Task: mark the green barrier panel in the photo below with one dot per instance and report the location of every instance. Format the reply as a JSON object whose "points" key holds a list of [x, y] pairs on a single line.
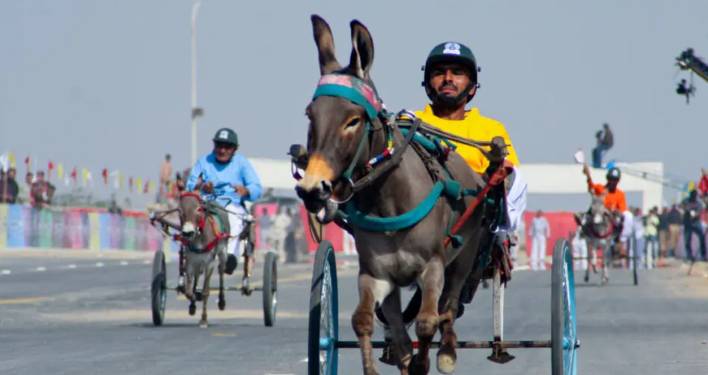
{"points": [[45, 228]]}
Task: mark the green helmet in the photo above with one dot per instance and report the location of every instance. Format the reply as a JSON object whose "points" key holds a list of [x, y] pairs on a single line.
{"points": [[451, 52], [226, 135], [614, 174]]}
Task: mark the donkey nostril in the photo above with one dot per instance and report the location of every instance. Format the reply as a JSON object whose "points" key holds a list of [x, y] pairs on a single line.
{"points": [[326, 187]]}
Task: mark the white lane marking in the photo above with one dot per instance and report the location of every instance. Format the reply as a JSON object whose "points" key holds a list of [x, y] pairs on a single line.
{"points": [[304, 360], [146, 262], [41, 269], [5, 272], [99, 264], [123, 263], [71, 266]]}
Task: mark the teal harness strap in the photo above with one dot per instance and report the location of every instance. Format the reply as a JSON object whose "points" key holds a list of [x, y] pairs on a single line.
{"points": [[347, 93], [389, 224]]}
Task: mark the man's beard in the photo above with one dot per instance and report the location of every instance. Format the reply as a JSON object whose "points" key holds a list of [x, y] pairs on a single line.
{"points": [[449, 101]]}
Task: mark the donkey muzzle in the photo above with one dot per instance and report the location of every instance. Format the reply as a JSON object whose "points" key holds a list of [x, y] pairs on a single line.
{"points": [[188, 229], [315, 197]]}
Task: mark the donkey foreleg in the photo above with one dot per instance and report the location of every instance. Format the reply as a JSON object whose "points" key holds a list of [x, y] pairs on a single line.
{"points": [[205, 297], [455, 280], [400, 350], [431, 283], [371, 290]]}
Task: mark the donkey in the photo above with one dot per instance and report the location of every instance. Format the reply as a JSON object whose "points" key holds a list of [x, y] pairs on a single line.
{"points": [[390, 260], [598, 226], [204, 235]]}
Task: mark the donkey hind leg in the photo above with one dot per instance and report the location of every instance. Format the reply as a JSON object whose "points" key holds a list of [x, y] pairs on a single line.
{"points": [[606, 261], [431, 282], [371, 290], [401, 347], [203, 323]]}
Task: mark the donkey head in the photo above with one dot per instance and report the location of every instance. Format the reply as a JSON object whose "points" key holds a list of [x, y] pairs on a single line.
{"points": [[191, 214], [337, 125], [599, 214]]}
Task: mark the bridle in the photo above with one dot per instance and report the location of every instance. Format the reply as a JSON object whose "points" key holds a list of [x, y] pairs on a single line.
{"points": [[202, 218]]}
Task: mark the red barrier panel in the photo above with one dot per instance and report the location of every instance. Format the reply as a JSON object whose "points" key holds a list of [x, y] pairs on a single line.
{"points": [[562, 224]]}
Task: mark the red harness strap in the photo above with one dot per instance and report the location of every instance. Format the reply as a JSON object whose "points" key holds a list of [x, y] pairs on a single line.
{"points": [[497, 178]]}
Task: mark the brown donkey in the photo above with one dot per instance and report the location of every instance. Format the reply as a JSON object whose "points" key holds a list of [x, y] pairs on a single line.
{"points": [[343, 137]]}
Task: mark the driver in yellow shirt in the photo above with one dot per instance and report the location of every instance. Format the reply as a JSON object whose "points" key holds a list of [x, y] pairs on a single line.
{"points": [[450, 81]]}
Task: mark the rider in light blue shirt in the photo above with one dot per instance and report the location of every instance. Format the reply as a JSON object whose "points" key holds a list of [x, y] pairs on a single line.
{"points": [[231, 179]]}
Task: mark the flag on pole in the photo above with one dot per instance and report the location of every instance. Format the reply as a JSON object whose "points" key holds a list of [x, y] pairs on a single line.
{"points": [[50, 168], [138, 184], [28, 160], [146, 188], [85, 176], [130, 184], [11, 158], [104, 174], [74, 175], [60, 171]]}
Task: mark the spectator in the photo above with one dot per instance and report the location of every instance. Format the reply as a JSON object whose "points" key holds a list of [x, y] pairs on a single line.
{"points": [[42, 191], [12, 187], [692, 209], [291, 251], [664, 233], [113, 207], [703, 186], [264, 223], [540, 231], [674, 220], [29, 179], [580, 249], [651, 236], [278, 231], [3, 184], [639, 236], [165, 174], [605, 141]]}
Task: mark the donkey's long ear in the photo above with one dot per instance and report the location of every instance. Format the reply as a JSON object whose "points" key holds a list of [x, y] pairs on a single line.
{"points": [[325, 45], [362, 50]]}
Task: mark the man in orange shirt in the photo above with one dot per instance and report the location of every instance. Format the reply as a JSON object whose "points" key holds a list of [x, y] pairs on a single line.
{"points": [[614, 199]]}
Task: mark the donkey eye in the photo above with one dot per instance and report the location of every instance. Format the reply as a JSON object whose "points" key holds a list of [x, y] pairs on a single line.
{"points": [[353, 122]]}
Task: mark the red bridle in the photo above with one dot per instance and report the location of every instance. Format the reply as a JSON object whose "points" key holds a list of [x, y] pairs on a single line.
{"points": [[201, 223]]}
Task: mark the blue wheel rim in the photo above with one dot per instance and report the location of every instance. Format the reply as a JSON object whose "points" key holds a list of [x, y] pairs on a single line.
{"points": [[569, 327], [329, 322]]}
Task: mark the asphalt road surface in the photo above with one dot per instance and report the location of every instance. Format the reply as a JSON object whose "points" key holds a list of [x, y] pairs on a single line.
{"points": [[68, 314]]}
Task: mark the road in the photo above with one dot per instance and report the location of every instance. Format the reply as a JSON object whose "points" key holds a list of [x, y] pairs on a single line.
{"points": [[90, 314]]}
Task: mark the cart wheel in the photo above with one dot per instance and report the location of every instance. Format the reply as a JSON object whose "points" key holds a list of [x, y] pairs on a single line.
{"points": [[270, 288], [564, 340], [323, 335], [158, 289], [635, 262]]}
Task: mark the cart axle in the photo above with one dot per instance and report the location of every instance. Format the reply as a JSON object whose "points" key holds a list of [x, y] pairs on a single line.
{"points": [[507, 344]]}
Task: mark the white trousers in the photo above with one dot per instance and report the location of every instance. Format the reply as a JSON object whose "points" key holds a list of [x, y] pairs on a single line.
{"points": [[538, 253], [580, 250], [236, 213]]}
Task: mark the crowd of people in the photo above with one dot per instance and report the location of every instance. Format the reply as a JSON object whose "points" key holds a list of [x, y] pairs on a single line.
{"points": [[35, 191]]}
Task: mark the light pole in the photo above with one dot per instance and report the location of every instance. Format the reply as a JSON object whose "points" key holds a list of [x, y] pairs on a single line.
{"points": [[196, 111]]}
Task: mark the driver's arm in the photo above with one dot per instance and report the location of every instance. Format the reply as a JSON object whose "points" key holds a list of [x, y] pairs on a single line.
{"points": [[194, 181]]}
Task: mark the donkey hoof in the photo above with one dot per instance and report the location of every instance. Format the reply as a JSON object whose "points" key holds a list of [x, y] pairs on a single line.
{"points": [[203, 324], [222, 304], [192, 309], [199, 296], [446, 363], [419, 365]]}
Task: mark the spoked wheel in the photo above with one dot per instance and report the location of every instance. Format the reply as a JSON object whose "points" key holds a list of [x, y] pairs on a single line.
{"points": [[158, 289], [270, 288], [323, 335], [564, 339]]}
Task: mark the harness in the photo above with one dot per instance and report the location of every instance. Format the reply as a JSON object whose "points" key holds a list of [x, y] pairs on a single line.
{"points": [[433, 141], [205, 216]]}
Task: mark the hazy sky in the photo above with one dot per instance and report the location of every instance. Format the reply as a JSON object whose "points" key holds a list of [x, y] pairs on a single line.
{"points": [[107, 83]]}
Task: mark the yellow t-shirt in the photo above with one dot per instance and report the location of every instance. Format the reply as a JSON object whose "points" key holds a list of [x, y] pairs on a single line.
{"points": [[476, 127]]}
